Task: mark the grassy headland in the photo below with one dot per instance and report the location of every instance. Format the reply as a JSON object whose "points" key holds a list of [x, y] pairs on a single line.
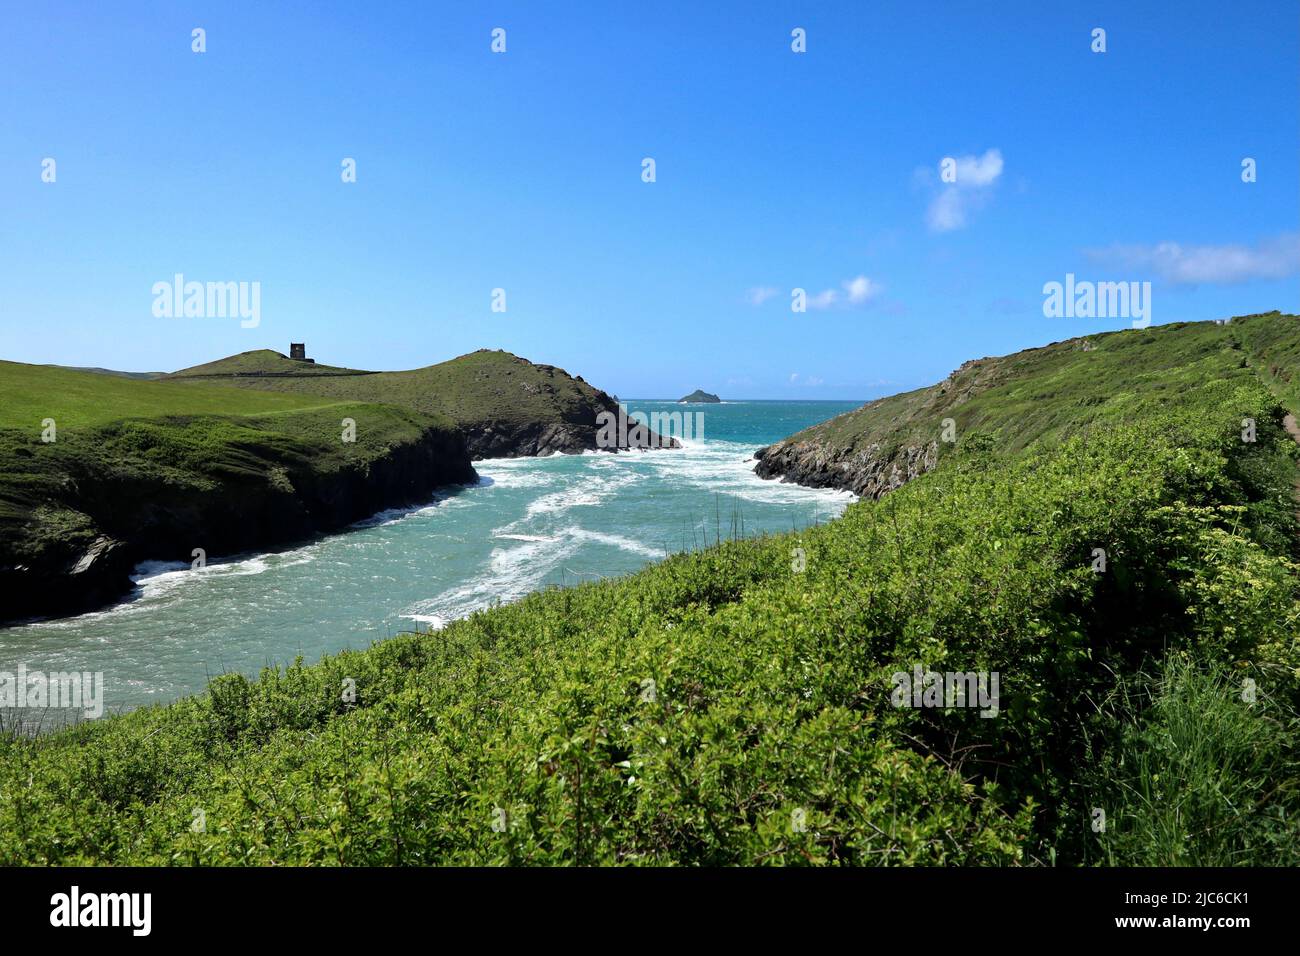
{"points": [[143, 469], [1035, 397], [504, 405]]}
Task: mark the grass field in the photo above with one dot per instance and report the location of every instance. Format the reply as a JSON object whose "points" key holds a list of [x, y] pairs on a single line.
{"points": [[77, 400]]}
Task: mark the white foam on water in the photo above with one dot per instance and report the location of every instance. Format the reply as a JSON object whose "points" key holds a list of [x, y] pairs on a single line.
{"points": [[616, 540], [511, 573], [515, 477], [728, 468], [435, 622], [585, 491], [149, 569], [439, 504]]}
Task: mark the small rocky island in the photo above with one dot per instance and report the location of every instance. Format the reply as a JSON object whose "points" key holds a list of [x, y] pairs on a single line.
{"points": [[699, 395]]}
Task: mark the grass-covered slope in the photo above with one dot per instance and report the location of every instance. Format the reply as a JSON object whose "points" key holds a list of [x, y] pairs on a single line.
{"points": [[734, 705], [1038, 396], [153, 470], [1273, 345], [505, 405], [143, 376], [32, 393], [261, 362]]}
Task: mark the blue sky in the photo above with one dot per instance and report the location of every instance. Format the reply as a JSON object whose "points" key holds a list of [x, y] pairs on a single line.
{"points": [[523, 171]]}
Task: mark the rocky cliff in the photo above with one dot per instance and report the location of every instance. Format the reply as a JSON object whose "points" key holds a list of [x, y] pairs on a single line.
{"points": [[868, 472], [279, 493]]}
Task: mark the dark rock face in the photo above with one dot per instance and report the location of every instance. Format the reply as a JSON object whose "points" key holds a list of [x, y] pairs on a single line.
{"points": [[868, 473], [291, 502], [520, 440], [525, 439]]}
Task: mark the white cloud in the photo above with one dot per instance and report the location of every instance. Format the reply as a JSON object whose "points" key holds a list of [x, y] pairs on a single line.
{"points": [[857, 291], [975, 171], [811, 381], [975, 175], [1273, 258], [861, 289]]}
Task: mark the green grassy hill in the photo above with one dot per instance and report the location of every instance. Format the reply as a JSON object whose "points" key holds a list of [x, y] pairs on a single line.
{"points": [[142, 469], [504, 404], [736, 706], [1035, 397], [30, 393], [261, 362]]}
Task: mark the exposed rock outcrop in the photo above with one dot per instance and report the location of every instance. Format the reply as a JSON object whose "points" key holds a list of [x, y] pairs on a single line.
{"points": [[869, 472], [580, 432]]}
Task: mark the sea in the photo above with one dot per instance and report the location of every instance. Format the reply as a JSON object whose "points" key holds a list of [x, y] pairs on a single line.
{"points": [[527, 524]]}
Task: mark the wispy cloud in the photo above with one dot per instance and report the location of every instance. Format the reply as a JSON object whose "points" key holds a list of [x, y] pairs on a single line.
{"points": [[760, 294], [856, 291], [1274, 258], [823, 300], [971, 189], [811, 381]]}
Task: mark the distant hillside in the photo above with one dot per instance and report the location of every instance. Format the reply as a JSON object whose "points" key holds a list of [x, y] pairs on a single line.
{"points": [[261, 362], [99, 472], [505, 405], [1038, 396], [144, 376], [699, 395]]}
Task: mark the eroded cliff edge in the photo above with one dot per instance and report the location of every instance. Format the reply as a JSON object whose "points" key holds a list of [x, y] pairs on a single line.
{"points": [[97, 505]]}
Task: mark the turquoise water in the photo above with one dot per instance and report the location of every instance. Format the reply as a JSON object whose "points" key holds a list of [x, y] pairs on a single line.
{"points": [[529, 523]]}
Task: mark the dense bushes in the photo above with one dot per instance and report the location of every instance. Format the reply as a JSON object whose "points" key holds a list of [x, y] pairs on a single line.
{"points": [[726, 707]]}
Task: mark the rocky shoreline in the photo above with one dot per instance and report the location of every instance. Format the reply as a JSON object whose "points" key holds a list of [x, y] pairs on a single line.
{"points": [[538, 439], [287, 503], [868, 473]]}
